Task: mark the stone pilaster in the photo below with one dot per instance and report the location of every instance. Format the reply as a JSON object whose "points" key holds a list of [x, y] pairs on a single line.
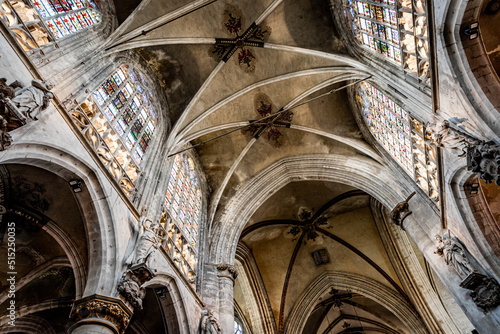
{"points": [[99, 314], [227, 274]]}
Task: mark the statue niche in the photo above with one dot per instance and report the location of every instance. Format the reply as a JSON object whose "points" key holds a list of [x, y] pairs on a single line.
{"points": [[19, 104]]}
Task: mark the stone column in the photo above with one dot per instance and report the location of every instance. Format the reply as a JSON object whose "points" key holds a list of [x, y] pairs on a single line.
{"points": [[227, 274], [99, 314]]}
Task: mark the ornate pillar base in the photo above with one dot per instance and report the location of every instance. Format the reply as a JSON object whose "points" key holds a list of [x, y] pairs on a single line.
{"points": [[99, 314]]}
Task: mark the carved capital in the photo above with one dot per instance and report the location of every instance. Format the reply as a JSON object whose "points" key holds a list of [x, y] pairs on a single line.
{"points": [[227, 270], [102, 310]]}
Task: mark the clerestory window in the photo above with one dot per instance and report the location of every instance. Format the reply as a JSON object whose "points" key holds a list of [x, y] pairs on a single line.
{"points": [[182, 203], [396, 29], [403, 136], [35, 23], [119, 121]]}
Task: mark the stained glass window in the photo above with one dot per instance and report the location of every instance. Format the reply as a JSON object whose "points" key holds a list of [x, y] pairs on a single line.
{"points": [[127, 110], [183, 197], [395, 28], [66, 17], [404, 137], [237, 328]]}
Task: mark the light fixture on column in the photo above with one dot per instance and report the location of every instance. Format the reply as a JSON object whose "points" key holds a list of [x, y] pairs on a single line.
{"points": [[472, 30], [76, 185]]}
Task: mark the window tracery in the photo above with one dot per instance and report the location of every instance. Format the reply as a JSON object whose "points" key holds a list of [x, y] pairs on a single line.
{"points": [[237, 328], [403, 136], [395, 28], [119, 121], [35, 23], [182, 203]]}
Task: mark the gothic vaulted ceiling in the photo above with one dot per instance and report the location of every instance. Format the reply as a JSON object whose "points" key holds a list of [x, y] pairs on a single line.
{"points": [[223, 64]]}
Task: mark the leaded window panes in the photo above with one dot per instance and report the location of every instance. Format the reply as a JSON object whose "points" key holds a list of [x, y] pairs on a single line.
{"points": [[403, 136], [395, 28], [35, 23], [183, 198], [237, 328], [128, 109]]}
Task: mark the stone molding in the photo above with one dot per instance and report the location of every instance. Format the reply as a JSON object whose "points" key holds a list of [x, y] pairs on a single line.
{"points": [[228, 271], [103, 310], [353, 171], [356, 283]]}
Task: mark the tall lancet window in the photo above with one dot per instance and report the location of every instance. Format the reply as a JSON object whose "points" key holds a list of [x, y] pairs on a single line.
{"points": [[119, 121], [403, 136], [182, 203], [35, 23], [396, 29]]}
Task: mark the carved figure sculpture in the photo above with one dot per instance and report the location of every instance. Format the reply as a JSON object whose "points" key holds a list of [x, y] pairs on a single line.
{"points": [[130, 287], [454, 254], [401, 211], [149, 240], [209, 324], [32, 100]]}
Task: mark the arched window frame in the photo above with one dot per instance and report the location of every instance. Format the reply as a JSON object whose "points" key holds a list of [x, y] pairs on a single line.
{"points": [[184, 188], [397, 29], [36, 23], [106, 121], [402, 135]]}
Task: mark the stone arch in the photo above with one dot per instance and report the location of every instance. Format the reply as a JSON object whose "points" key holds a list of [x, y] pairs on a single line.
{"points": [[477, 242], [365, 286], [353, 171], [484, 96], [173, 308], [99, 227]]}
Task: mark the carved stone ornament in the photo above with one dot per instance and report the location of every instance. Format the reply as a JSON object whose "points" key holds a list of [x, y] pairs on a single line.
{"points": [[131, 284], [209, 324], [485, 291], [401, 211], [20, 104], [454, 253], [149, 238], [451, 138], [229, 270], [483, 160], [96, 308]]}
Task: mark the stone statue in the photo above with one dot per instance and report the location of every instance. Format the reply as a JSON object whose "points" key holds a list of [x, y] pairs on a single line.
{"points": [[32, 100], [401, 211], [209, 324], [149, 238], [454, 254]]}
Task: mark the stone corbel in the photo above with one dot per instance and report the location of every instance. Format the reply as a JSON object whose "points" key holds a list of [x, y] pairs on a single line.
{"points": [[131, 284], [102, 311], [228, 271]]}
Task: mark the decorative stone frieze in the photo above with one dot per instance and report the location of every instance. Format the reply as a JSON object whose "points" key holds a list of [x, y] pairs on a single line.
{"points": [[102, 310], [227, 270], [401, 211]]}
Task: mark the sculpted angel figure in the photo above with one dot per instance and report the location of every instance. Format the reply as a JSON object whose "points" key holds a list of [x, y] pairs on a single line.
{"points": [[454, 254], [32, 100]]}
